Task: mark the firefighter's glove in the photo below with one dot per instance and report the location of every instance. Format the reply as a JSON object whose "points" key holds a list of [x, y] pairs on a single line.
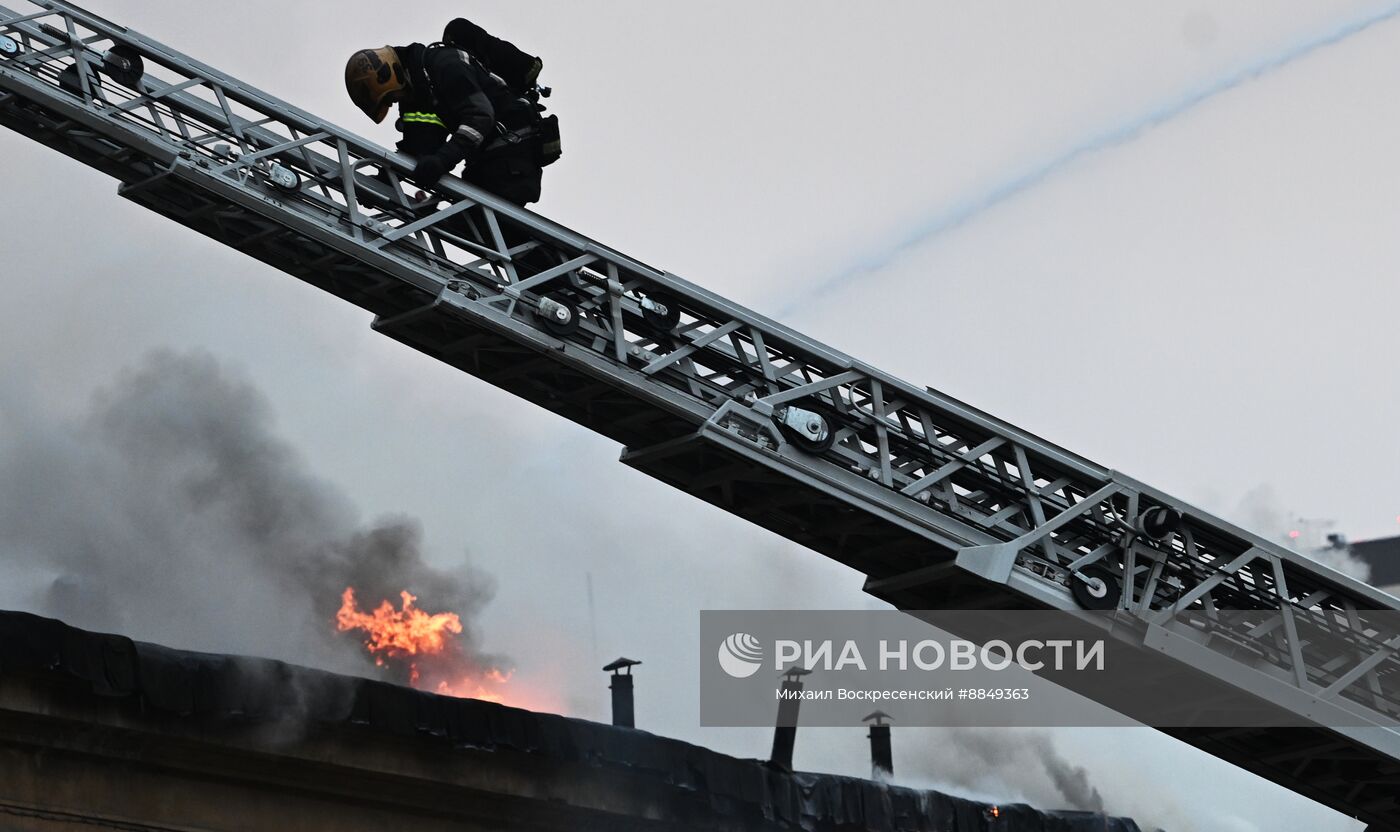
{"points": [[429, 170]]}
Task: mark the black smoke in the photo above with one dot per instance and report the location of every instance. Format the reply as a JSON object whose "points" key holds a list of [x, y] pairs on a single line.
{"points": [[172, 511]]}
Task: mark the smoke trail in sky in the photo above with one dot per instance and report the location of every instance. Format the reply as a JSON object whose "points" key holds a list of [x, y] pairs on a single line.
{"points": [[976, 204]]}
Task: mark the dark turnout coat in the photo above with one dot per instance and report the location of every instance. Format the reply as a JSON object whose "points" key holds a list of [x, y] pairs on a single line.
{"points": [[457, 110]]}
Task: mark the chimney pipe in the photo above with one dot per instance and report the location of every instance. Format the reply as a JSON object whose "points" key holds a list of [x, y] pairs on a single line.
{"points": [[785, 733], [881, 755], [621, 686]]}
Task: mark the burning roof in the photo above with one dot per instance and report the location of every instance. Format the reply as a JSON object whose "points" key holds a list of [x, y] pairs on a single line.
{"points": [[106, 696], [425, 649]]}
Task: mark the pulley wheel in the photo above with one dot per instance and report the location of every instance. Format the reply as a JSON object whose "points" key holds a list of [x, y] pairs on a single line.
{"points": [[662, 322], [69, 81], [559, 314], [284, 179], [826, 432], [1099, 592], [123, 64]]}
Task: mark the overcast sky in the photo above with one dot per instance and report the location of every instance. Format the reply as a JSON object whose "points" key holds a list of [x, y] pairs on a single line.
{"points": [[955, 192]]}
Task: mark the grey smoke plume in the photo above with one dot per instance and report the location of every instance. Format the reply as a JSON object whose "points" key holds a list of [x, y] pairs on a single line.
{"points": [[173, 512], [1261, 511], [998, 760]]}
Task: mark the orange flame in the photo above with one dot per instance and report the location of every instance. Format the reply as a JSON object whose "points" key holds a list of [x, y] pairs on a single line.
{"points": [[394, 633], [423, 644], [477, 688]]}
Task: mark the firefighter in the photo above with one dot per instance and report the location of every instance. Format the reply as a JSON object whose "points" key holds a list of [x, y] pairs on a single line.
{"points": [[452, 109]]}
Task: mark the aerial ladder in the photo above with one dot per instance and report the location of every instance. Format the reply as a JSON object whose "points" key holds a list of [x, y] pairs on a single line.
{"points": [[940, 505]]}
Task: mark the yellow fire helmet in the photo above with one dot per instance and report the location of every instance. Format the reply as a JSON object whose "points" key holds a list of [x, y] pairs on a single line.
{"points": [[375, 79]]}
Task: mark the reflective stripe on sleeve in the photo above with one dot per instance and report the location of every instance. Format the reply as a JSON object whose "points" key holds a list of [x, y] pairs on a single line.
{"points": [[471, 134], [423, 118]]}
